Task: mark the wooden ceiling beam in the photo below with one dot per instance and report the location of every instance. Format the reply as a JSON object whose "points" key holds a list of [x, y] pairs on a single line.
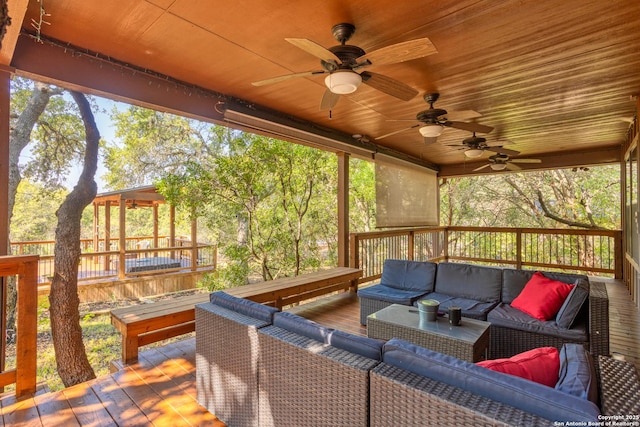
{"points": [[72, 69]]}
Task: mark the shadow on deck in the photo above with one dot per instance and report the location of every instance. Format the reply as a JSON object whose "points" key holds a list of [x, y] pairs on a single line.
{"points": [[160, 389]]}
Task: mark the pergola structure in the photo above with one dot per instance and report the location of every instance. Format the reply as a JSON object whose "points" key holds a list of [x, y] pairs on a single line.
{"points": [[557, 81], [141, 197]]}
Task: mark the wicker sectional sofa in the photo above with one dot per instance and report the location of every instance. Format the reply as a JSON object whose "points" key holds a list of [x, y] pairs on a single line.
{"points": [[486, 293], [256, 366]]}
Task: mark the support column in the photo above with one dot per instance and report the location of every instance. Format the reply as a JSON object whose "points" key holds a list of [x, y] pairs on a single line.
{"points": [[5, 99], [123, 240], [155, 229], [107, 234], [194, 243], [343, 209]]}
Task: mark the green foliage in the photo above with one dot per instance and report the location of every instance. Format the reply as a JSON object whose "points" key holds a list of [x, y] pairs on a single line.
{"points": [[362, 195], [152, 144], [269, 196], [584, 198], [57, 141], [35, 219]]}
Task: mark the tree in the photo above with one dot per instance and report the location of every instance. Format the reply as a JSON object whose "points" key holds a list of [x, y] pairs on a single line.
{"points": [[45, 121], [71, 359], [272, 188], [154, 144], [559, 198]]}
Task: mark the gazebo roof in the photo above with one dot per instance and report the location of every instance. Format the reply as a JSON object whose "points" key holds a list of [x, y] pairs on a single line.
{"points": [[139, 197]]}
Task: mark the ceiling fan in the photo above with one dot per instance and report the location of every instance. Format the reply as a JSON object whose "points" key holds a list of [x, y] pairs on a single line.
{"points": [[342, 63], [433, 121], [499, 162], [475, 146]]}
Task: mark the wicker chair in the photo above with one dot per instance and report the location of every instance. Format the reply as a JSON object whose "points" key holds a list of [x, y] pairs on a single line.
{"points": [[227, 355], [304, 382]]}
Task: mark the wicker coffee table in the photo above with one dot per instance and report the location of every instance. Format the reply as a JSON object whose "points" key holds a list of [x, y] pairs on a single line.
{"points": [[469, 341]]}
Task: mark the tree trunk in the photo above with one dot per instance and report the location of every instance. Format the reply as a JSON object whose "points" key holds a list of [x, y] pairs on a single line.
{"points": [[71, 358], [18, 139]]}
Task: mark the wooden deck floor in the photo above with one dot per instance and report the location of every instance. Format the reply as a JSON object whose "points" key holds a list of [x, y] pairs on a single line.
{"points": [[160, 390]]}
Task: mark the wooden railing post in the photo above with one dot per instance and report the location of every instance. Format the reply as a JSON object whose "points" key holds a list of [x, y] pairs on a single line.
{"points": [[618, 255], [354, 251], [410, 246], [27, 328], [24, 374], [519, 249]]}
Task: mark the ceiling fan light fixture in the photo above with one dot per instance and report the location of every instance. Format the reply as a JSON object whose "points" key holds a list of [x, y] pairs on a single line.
{"points": [[431, 131], [343, 82], [498, 166], [474, 153]]}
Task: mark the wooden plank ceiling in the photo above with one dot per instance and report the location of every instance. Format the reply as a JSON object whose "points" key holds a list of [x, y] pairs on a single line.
{"points": [[556, 79]]}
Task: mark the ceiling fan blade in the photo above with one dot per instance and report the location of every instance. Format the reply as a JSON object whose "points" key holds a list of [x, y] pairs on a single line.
{"points": [[286, 77], [513, 167], [314, 49], [389, 86], [499, 143], [471, 127], [398, 131], [462, 115], [482, 167], [501, 150], [526, 160], [329, 100], [405, 51]]}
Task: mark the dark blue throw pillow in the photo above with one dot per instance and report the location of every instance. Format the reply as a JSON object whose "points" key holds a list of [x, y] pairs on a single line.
{"points": [[571, 307]]}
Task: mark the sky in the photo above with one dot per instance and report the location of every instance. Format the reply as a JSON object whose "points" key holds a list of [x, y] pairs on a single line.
{"points": [[107, 133]]}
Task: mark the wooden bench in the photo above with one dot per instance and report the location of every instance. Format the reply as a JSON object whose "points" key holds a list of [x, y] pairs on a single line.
{"points": [[147, 323]]}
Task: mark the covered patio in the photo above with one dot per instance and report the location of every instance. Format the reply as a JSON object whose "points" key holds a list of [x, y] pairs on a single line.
{"points": [[557, 83]]}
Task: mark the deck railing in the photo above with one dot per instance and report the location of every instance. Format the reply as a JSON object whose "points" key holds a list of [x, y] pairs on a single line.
{"points": [[101, 263], [595, 252], [23, 370]]}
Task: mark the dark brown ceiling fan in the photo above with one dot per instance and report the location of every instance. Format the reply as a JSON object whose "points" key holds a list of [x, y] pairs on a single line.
{"points": [[343, 62], [475, 146], [499, 162], [433, 121]]}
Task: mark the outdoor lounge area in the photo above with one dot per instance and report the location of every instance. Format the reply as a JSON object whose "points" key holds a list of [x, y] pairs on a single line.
{"points": [[426, 93], [161, 388]]}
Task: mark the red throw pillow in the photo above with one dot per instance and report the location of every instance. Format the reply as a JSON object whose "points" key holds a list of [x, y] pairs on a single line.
{"points": [[541, 365], [542, 297]]}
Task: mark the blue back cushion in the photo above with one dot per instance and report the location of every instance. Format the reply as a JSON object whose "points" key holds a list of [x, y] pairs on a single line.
{"points": [[409, 275], [363, 346], [518, 392], [243, 306], [571, 307], [577, 373], [301, 326], [469, 281]]}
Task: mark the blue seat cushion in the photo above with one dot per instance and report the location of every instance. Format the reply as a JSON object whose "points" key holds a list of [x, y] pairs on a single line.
{"points": [[508, 317], [301, 326], [526, 395], [243, 306], [409, 275], [392, 295], [577, 373], [470, 308], [368, 347]]}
